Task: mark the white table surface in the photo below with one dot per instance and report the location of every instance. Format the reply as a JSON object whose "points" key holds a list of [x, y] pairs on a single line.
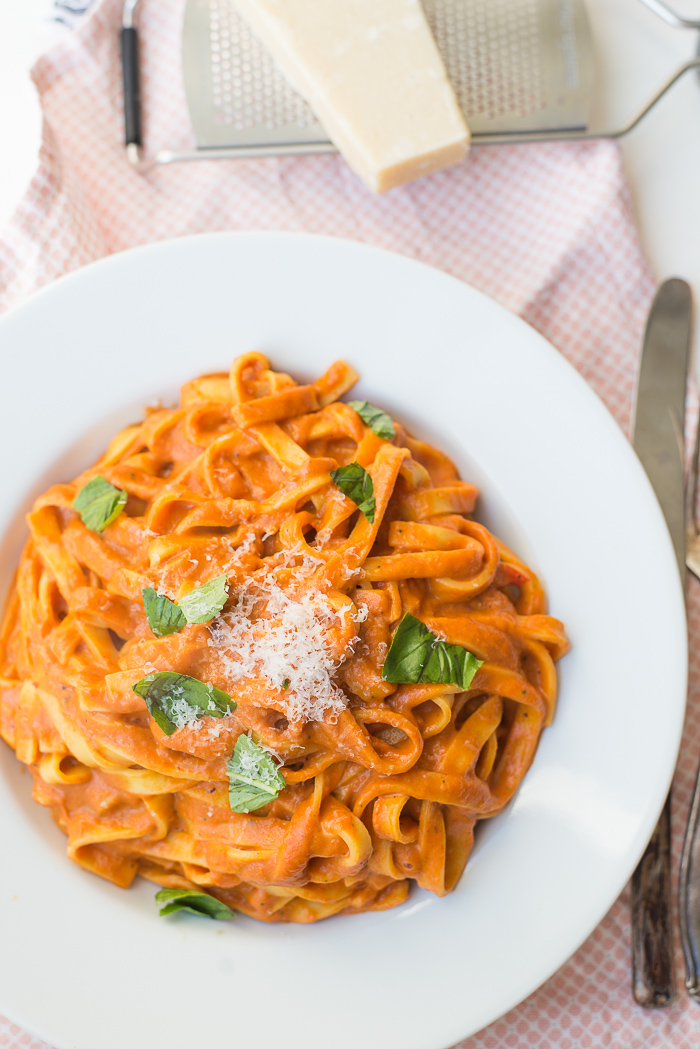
{"points": [[635, 52]]}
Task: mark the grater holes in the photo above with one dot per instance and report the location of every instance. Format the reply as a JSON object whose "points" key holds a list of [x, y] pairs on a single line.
{"points": [[246, 88], [491, 49]]}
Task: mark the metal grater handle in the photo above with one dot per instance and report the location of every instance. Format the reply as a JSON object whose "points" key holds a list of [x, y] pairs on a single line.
{"points": [[669, 16]]}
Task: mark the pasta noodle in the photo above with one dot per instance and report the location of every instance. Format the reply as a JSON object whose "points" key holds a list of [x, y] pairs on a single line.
{"points": [[243, 489]]}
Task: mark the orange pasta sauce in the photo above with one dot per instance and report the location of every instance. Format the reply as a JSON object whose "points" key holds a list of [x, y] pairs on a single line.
{"points": [[384, 782]]}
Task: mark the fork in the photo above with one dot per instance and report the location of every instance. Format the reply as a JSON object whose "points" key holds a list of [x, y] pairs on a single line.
{"points": [[692, 531], [689, 883]]}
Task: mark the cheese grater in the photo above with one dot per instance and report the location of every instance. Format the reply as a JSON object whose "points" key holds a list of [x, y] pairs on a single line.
{"points": [[522, 71]]}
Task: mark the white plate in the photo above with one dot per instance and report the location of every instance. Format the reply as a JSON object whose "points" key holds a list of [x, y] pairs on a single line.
{"points": [[87, 965]]}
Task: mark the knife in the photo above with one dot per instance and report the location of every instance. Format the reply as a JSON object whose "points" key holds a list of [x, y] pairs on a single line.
{"points": [[658, 441]]}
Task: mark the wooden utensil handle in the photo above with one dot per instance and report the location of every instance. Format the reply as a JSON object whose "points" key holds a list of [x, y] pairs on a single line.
{"points": [[653, 983]]}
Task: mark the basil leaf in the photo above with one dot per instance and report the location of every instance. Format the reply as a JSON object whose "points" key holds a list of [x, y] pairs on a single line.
{"points": [[99, 503], [408, 651], [450, 664], [200, 903], [205, 602], [356, 483], [174, 700], [163, 615], [416, 655], [375, 418], [254, 779], [200, 606]]}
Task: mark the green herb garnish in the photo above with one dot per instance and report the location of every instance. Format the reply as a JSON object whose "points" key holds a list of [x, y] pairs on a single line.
{"points": [[200, 903], [205, 602], [99, 503], [199, 606], [254, 779], [416, 655], [354, 481], [375, 418], [175, 700], [163, 615]]}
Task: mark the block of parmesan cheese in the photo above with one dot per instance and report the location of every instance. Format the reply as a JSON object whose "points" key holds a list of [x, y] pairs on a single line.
{"points": [[373, 75]]}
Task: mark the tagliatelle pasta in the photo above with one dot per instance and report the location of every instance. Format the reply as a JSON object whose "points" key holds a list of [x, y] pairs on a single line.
{"points": [[198, 679]]}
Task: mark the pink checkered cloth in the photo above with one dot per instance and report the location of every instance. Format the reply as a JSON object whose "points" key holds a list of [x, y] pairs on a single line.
{"points": [[546, 230]]}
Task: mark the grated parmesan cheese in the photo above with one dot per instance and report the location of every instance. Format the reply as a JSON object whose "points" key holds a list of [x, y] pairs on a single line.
{"points": [[181, 713], [268, 750], [248, 764], [281, 638]]}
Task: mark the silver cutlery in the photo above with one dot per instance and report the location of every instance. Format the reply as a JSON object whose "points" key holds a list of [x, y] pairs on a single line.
{"points": [[658, 441], [689, 886], [692, 532]]}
